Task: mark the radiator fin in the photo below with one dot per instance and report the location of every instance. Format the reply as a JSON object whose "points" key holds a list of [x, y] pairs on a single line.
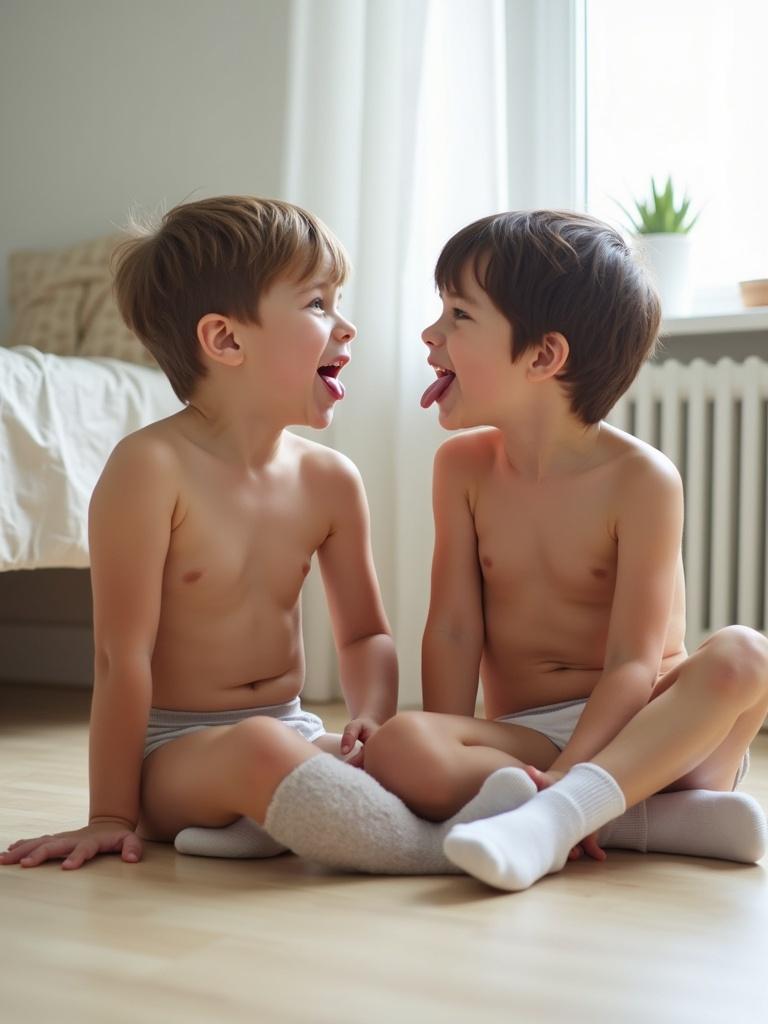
{"points": [[711, 419]]}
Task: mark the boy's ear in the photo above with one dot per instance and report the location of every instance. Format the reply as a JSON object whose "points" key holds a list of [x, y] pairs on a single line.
{"points": [[551, 356], [217, 340]]}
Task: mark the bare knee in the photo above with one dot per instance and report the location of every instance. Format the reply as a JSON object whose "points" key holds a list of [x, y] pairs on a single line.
{"points": [[214, 776], [263, 747], [410, 756], [736, 660], [403, 734]]}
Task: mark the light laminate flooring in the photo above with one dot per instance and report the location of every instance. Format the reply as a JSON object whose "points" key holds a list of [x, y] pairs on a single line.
{"points": [[180, 939]]}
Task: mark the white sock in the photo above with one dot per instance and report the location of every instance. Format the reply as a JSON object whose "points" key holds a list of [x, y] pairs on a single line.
{"points": [[513, 850], [243, 838], [330, 812], [694, 822]]}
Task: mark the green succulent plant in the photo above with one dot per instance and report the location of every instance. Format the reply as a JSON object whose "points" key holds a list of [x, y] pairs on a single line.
{"points": [[661, 214]]}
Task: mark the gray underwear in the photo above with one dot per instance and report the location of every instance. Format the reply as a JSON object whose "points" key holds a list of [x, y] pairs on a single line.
{"points": [[165, 726], [557, 722]]}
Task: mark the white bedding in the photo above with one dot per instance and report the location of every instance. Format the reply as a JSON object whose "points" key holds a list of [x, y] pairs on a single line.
{"points": [[60, 417]]}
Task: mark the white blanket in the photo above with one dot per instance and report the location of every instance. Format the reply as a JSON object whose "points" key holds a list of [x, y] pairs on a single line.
{"points": [[60, 417]]}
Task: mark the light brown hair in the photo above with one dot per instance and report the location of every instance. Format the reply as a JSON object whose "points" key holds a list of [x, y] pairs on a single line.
{"points": [[549, 270], [216, 255]]}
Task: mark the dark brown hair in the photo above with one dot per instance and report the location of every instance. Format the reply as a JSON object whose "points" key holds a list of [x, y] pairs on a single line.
{"points": [[213, 256], [548, 270]]}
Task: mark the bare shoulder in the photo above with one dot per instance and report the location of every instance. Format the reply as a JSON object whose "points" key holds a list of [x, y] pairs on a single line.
{"points": [[469, 455], [145, 459], [641, 471], [321, 464]]}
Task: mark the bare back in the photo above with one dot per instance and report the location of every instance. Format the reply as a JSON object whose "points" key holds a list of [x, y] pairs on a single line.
{"points": [[547, 556]]}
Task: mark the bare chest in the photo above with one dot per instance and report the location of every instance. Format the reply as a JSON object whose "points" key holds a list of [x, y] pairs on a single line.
{"points": [[555, 539], [242, 543]]}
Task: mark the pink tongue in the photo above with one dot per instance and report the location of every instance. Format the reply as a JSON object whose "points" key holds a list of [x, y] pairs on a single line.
{"points": [[436, 389], [334, 386]]}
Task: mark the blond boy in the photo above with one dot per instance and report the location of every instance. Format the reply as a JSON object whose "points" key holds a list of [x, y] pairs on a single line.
{"points": [[202, 530]]}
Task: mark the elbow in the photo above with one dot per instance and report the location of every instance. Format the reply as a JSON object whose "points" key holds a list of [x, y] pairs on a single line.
{"points": [[118, 664], [637, 678]]}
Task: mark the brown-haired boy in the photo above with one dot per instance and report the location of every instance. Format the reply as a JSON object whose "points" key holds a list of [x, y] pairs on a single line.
{"points": [[202, 530], [557, 576]]}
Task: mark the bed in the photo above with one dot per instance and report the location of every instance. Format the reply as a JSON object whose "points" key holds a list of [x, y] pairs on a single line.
{"points": [[60, 417], [73, 382]]}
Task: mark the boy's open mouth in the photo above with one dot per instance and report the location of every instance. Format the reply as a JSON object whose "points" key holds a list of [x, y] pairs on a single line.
{"points": [[328, 375], [437, 389]]}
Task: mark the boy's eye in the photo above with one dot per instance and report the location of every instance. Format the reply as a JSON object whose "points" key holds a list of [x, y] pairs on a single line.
{"points": [[317, 304], [458, 314]]}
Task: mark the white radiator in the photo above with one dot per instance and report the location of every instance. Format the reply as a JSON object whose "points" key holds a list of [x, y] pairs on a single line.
{"points": [[711, 420]]}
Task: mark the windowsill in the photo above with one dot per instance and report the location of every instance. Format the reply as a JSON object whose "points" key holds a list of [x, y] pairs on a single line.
{"points": [[727, 321]]}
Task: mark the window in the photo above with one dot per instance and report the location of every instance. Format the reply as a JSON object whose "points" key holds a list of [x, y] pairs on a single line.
{"points": [[681, 88]]}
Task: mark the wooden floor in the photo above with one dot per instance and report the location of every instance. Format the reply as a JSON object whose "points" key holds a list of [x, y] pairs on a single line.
{"points": [[182, 939]]}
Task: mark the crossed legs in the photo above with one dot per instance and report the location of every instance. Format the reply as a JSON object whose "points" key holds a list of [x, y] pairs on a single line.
{"points": [[260, 772], [692, 735]]}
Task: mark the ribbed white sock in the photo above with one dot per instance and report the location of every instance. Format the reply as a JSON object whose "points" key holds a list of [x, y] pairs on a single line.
{"points": [[694, 822], [329, 812], [513, 850]]}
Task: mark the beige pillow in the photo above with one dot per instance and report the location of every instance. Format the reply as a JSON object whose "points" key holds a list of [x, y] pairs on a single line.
{"points": [[62, 302]]}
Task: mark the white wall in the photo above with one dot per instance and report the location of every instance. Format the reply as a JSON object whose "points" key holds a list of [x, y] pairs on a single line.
{"points": [[105, 104]]}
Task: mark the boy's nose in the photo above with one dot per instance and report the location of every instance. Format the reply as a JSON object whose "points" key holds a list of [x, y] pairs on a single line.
{"points": [[345, 330], [431, 336]]}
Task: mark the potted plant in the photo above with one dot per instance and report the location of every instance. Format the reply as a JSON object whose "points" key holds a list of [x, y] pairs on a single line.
{"points": [[662, 226]]}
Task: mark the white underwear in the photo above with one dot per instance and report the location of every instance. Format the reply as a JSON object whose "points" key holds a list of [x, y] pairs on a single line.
{"points": [[555, 721], [165, 726]]}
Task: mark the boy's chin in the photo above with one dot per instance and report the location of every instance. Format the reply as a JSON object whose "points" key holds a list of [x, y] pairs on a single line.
{"points": [[319, 419], [453, 421]]}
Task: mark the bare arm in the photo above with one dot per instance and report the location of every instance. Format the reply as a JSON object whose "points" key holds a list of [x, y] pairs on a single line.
{"points": [[366, 650], [129, 527], [649, 527], [453, 637]]}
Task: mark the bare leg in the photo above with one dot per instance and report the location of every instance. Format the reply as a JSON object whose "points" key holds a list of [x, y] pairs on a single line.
{"points": [[215, 776], [246, 838], [693, 734], [703, 717], [309, 801], [435, 763]]}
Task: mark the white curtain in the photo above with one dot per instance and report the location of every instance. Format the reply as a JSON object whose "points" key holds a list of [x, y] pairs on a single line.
{"points": [[396, 137]]}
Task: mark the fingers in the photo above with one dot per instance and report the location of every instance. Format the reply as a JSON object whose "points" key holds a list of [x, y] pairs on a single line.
{"points": [[73, 848], [356, 759], [85, 850], [22, 848], [53, 849], [592, 849], [23, 842], [132, 848], [349, 737], [541, 778]]}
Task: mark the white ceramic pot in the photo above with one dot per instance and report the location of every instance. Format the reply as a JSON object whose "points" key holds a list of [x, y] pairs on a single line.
{"points": [[668, 257]]}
